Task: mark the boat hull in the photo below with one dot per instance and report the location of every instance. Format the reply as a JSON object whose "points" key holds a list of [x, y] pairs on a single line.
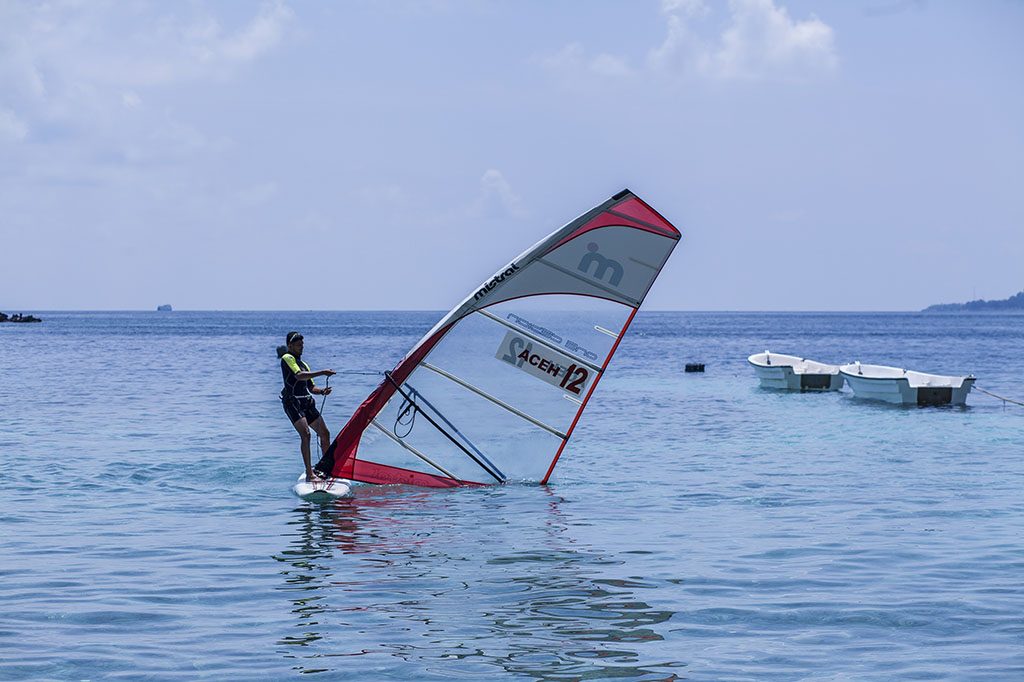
{"points": [[783, 378], [899, 391]]}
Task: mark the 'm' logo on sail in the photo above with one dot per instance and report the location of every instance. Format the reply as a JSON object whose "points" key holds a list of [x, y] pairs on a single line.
{"points": [[495, 281], [602, 266]]}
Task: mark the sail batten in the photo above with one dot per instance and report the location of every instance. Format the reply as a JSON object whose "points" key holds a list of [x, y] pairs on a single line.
{"points": [[387, 432], [597, 285], [500, 403], [410, 400], [513, 381], [486, 464]]}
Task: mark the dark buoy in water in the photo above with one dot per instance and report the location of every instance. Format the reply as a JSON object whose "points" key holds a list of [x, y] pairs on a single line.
{"points": [[694, 367]]}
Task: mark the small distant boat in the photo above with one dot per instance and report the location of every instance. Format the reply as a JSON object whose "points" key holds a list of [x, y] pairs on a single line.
{"points": [[18, 317], [904, 387], [788, 372], [165, 308]]}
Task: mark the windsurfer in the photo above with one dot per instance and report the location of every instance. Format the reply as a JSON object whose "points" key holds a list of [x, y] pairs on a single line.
{"points": [[297, 397]]}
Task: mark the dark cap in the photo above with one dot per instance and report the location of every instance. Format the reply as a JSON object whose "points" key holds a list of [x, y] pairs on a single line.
{"points": [[293, 336]]}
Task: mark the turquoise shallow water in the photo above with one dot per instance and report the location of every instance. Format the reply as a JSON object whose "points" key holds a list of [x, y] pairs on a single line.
{"points": [[698, 527]]}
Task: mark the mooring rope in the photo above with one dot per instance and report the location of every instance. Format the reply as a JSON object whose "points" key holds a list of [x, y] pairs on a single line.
{"points": [[1003, 398]]}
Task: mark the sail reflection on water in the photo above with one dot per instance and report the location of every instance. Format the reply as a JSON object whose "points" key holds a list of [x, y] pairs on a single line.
{"points": [[533, 602]]}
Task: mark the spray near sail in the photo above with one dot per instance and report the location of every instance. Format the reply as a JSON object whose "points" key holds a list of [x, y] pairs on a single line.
{"points": [[494, 391]]}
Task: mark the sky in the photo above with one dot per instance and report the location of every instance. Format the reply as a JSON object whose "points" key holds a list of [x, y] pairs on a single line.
{"points": [[855, 155]]}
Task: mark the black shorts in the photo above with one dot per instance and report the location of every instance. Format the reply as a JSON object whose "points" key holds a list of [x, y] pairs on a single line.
{"points": [[297, 408]]}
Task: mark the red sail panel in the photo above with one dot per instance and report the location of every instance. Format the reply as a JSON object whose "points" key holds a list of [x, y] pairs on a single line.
{"points": [[368, 472], [635, 208]]}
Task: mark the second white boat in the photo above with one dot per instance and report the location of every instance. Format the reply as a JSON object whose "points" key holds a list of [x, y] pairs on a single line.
{"points": [[904, 387]]}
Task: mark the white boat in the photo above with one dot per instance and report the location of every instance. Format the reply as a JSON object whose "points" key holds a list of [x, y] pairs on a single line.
{"points": [[788, 372], [904, 387]]}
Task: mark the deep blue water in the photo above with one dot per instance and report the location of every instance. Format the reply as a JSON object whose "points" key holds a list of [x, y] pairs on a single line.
{"points": [[697, 527]]}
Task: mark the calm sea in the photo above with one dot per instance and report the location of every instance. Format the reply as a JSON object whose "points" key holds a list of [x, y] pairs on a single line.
{"points": [[698, 527]]}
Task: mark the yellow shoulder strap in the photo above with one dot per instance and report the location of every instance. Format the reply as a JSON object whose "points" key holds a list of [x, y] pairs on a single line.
{"points": [[289, 360]]}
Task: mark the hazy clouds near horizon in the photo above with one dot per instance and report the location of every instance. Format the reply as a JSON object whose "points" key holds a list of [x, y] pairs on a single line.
{"points": [[358, 155]]}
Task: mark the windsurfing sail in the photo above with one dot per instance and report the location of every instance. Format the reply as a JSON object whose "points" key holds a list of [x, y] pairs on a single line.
{"points": [[494, 391]]}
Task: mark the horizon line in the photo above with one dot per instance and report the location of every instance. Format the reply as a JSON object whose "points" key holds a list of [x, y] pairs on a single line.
{"points": [[442, 311]]}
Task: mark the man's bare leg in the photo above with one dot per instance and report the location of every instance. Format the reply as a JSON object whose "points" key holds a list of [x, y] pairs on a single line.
{"points": [[303, 428], [324, 435]]}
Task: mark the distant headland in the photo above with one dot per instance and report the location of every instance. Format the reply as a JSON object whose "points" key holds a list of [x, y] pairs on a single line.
{"points": [[1015, 302], [18, 317]]}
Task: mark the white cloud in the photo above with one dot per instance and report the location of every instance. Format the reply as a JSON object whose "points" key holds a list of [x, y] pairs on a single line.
{"points": [[763, 41], [82, 67], [760, 41], [179, 48], [569, 58], [496, 197], [131, 100], [683, 49], [12, 128], [692, 8], [609, 65], [261, 34]]}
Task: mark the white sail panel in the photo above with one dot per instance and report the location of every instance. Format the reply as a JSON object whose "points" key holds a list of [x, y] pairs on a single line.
{"points": [[491, 441], [545, 363], [613, 262]]}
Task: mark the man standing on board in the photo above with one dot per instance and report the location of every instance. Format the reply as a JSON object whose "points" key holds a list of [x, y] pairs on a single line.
{"points": [[297, 397]]}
